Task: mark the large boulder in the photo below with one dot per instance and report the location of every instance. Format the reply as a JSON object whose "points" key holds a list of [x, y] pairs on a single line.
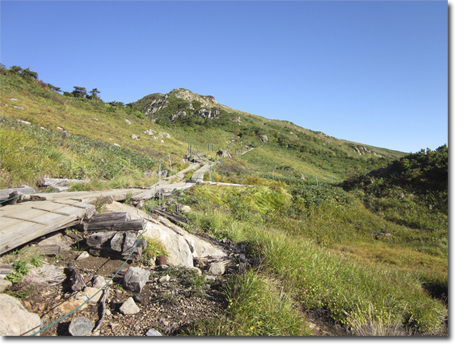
{"points": [[15, 320], [181, 247]]}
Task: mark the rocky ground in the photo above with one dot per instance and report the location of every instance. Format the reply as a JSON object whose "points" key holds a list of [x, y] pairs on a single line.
{"points": [[171, 299]]}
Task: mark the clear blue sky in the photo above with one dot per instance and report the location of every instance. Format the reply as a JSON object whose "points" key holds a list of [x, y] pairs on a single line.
{"points": [[374, 72]]}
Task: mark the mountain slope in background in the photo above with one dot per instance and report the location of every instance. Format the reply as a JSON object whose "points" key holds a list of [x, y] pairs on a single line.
{"points": [[161, 125]]}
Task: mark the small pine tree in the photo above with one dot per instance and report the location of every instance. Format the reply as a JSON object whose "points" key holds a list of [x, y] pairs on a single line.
{"points": [[29, 74]]}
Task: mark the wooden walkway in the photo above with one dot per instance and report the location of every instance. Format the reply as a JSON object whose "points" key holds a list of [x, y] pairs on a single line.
{"points": [[24, 222]]}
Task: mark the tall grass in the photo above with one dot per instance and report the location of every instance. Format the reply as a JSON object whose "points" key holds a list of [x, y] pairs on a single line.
{"points": [[356, 292], [257, 306]]}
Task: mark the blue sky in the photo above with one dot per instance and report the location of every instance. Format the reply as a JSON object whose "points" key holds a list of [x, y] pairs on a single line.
{"points": [[374, 72]]}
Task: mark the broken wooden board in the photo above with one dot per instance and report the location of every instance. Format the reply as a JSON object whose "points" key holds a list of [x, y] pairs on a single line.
{"points": [[24, 222]]}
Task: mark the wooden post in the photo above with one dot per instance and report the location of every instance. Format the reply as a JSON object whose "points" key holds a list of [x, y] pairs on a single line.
{"points": [[159, 187]]}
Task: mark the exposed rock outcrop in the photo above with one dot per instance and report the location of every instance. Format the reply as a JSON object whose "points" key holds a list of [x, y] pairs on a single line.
{"points": [[208, 113], [179, 114]]}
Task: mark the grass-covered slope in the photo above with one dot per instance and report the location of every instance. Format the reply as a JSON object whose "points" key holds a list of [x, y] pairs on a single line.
{"points": [[287, 148], [186, 117]]}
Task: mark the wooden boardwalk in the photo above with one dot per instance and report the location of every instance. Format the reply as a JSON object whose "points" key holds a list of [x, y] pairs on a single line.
{"points": [[24, 222]]}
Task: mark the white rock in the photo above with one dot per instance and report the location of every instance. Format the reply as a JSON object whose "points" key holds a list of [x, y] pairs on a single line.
{"points": [[127, 121], [15, 320], [165, 278], [185, 208], [217, 268], [153, 333], [82, 256], [181, 246], [129, 307]]}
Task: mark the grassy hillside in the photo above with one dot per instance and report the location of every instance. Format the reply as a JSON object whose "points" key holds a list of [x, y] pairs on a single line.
{"points": [[357, 232], [289, 149]]}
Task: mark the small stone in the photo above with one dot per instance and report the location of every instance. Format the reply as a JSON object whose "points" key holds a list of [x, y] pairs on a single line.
{"points": [[217, 268], [135, 279], [210, 278], [98, 282], [81, 327], [164, 279], [107, 312], [70, 305], [137, 299], [82, 256], [186, 208], [89, 292], [153, 333], [129, 307]]}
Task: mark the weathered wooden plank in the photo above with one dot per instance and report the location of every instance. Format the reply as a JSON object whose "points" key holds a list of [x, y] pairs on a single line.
{"points": [[73, 204], [24, 219], [176, 219], [5, 269], [98, 239], [13, 234], [37, 216], [114, 225], [118, 216], [52, 211], [7, 222]]}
